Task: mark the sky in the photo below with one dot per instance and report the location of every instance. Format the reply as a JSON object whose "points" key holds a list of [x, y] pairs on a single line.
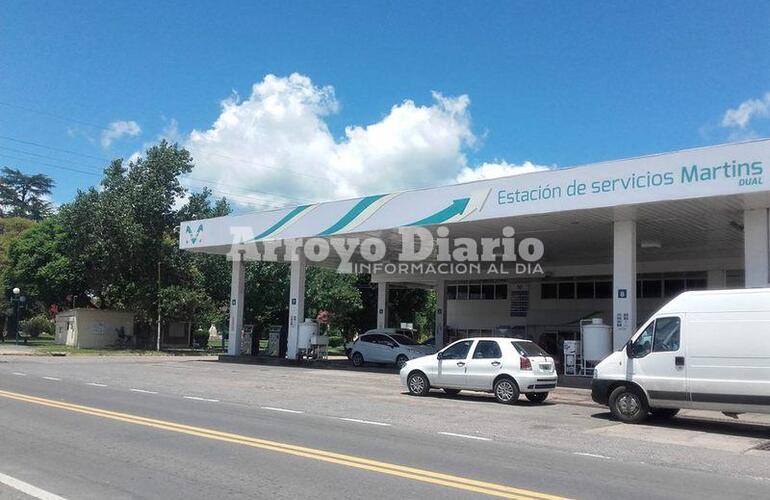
{"points": [[288, 102]]}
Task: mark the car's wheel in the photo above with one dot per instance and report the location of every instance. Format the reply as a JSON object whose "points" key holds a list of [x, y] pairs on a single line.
{"points": [[357, 359], [628, 404], [506, 390], [418, 384], [664, 412], [452, 392], [537, 397], [401, 360]]}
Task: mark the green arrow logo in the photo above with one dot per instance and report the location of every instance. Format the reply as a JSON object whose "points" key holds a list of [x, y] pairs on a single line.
{"points": [[456, 208]]}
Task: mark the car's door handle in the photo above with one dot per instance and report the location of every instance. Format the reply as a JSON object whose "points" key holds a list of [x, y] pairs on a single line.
{"points": [[495, 363], [460, 364], [679, 361]]}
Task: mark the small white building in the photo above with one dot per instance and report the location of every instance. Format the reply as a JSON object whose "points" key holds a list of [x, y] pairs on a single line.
{"points": [[92, 328]]}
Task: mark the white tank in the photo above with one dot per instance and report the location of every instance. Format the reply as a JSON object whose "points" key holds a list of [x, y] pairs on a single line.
{"points": [[597, 339], [307, 330]]}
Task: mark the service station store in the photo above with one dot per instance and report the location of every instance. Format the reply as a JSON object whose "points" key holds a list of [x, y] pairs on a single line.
{"points": [[532, 256]]}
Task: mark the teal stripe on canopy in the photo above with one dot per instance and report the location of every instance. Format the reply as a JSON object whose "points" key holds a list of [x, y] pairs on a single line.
{"points": [[286, 218], [354, 212]]}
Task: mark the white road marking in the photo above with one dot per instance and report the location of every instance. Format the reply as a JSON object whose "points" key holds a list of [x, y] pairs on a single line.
{"points": [[478, 438], [370, 422], [285, 410], [19, 374], [94, 384], [53, 378], [592, 455], [28, 489], [143, 391], [196, 398]]}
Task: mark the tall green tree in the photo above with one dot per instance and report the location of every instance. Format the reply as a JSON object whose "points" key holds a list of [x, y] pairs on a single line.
{"points": [[24, 195], [118, 234]]}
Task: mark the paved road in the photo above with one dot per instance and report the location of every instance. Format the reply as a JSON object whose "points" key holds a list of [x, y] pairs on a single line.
{"points": [[566, 450]]}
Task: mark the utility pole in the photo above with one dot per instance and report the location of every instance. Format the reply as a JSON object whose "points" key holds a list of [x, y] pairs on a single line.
{"points": [[158, 340]]}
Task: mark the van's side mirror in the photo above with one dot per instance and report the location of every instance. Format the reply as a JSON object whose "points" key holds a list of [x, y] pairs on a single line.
{"points": [[630, 351], [440, 355]]}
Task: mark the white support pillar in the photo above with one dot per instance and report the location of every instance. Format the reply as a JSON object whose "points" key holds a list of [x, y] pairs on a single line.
{"points": [[716, 279], [623, 282], [382, 304], [296, 305], [440, 313], [756, 247], [237, 287]]}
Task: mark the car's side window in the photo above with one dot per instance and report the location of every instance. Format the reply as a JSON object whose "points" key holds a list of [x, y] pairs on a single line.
{"points": [[487, 349], [667, 334], [642, 346], [458, 350], [366, 338]]}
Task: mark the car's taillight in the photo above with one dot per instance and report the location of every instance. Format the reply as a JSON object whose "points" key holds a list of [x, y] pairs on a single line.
{"points": [[524, 363]]}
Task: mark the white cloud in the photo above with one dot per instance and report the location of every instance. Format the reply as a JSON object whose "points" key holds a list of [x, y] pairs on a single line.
{"points": [[742, 115], [118, 129], [498, 169], [275, 147], [739, 120]]}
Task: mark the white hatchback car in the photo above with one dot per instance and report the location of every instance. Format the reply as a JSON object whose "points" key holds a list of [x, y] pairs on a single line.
{"points": [[386, 346], [503, 366]]}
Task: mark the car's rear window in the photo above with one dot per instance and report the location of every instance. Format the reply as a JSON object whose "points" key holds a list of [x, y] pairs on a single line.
{"points": [[403, 339], [529, 349]]}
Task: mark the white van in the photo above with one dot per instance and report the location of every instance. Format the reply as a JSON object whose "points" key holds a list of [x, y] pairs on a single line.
{"points": [[706, 350]]}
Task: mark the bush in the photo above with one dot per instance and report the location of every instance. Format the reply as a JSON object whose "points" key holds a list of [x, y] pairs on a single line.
{"points": [[37, 325], [201, 338], [336, 341]]}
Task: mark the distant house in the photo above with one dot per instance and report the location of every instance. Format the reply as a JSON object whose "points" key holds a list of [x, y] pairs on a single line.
{"points": [[93, 328]]}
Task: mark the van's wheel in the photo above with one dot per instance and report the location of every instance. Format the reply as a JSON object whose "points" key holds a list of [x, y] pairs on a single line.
{"points": [[418, 384], [452, 392], [664, 412], [537, 397], [628, 404], [357, 359], [506, 391], [401, 360]]}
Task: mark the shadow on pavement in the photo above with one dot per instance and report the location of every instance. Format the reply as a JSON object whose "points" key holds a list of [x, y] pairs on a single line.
{"points": [[477, 397], [701, 424]]}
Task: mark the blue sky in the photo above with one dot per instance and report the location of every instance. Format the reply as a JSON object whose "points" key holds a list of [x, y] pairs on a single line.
{"points": [[555, 84]]}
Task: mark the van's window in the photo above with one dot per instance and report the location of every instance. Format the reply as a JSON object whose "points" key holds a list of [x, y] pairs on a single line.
{"points": [[642, 346], [666, 335], [528, 349], [487, 349], [458, 350]]}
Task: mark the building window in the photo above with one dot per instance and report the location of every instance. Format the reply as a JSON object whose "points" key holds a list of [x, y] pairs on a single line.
{"points": [[567, 290], [672, 288], [549, 291], [585, 290], [603, 290], [481, 290], [651, 289]]}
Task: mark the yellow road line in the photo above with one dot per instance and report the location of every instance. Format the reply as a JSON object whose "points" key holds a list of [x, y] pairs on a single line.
{"points": [[422, 475]]}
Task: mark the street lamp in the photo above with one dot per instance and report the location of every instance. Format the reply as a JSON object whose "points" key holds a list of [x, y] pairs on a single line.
{"points": [[17, 301]]}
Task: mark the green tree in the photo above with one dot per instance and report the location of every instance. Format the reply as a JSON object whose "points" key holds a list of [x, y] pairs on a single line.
{"points": [[24, 195], [328, 290], [119, 234], [37, 263]]}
